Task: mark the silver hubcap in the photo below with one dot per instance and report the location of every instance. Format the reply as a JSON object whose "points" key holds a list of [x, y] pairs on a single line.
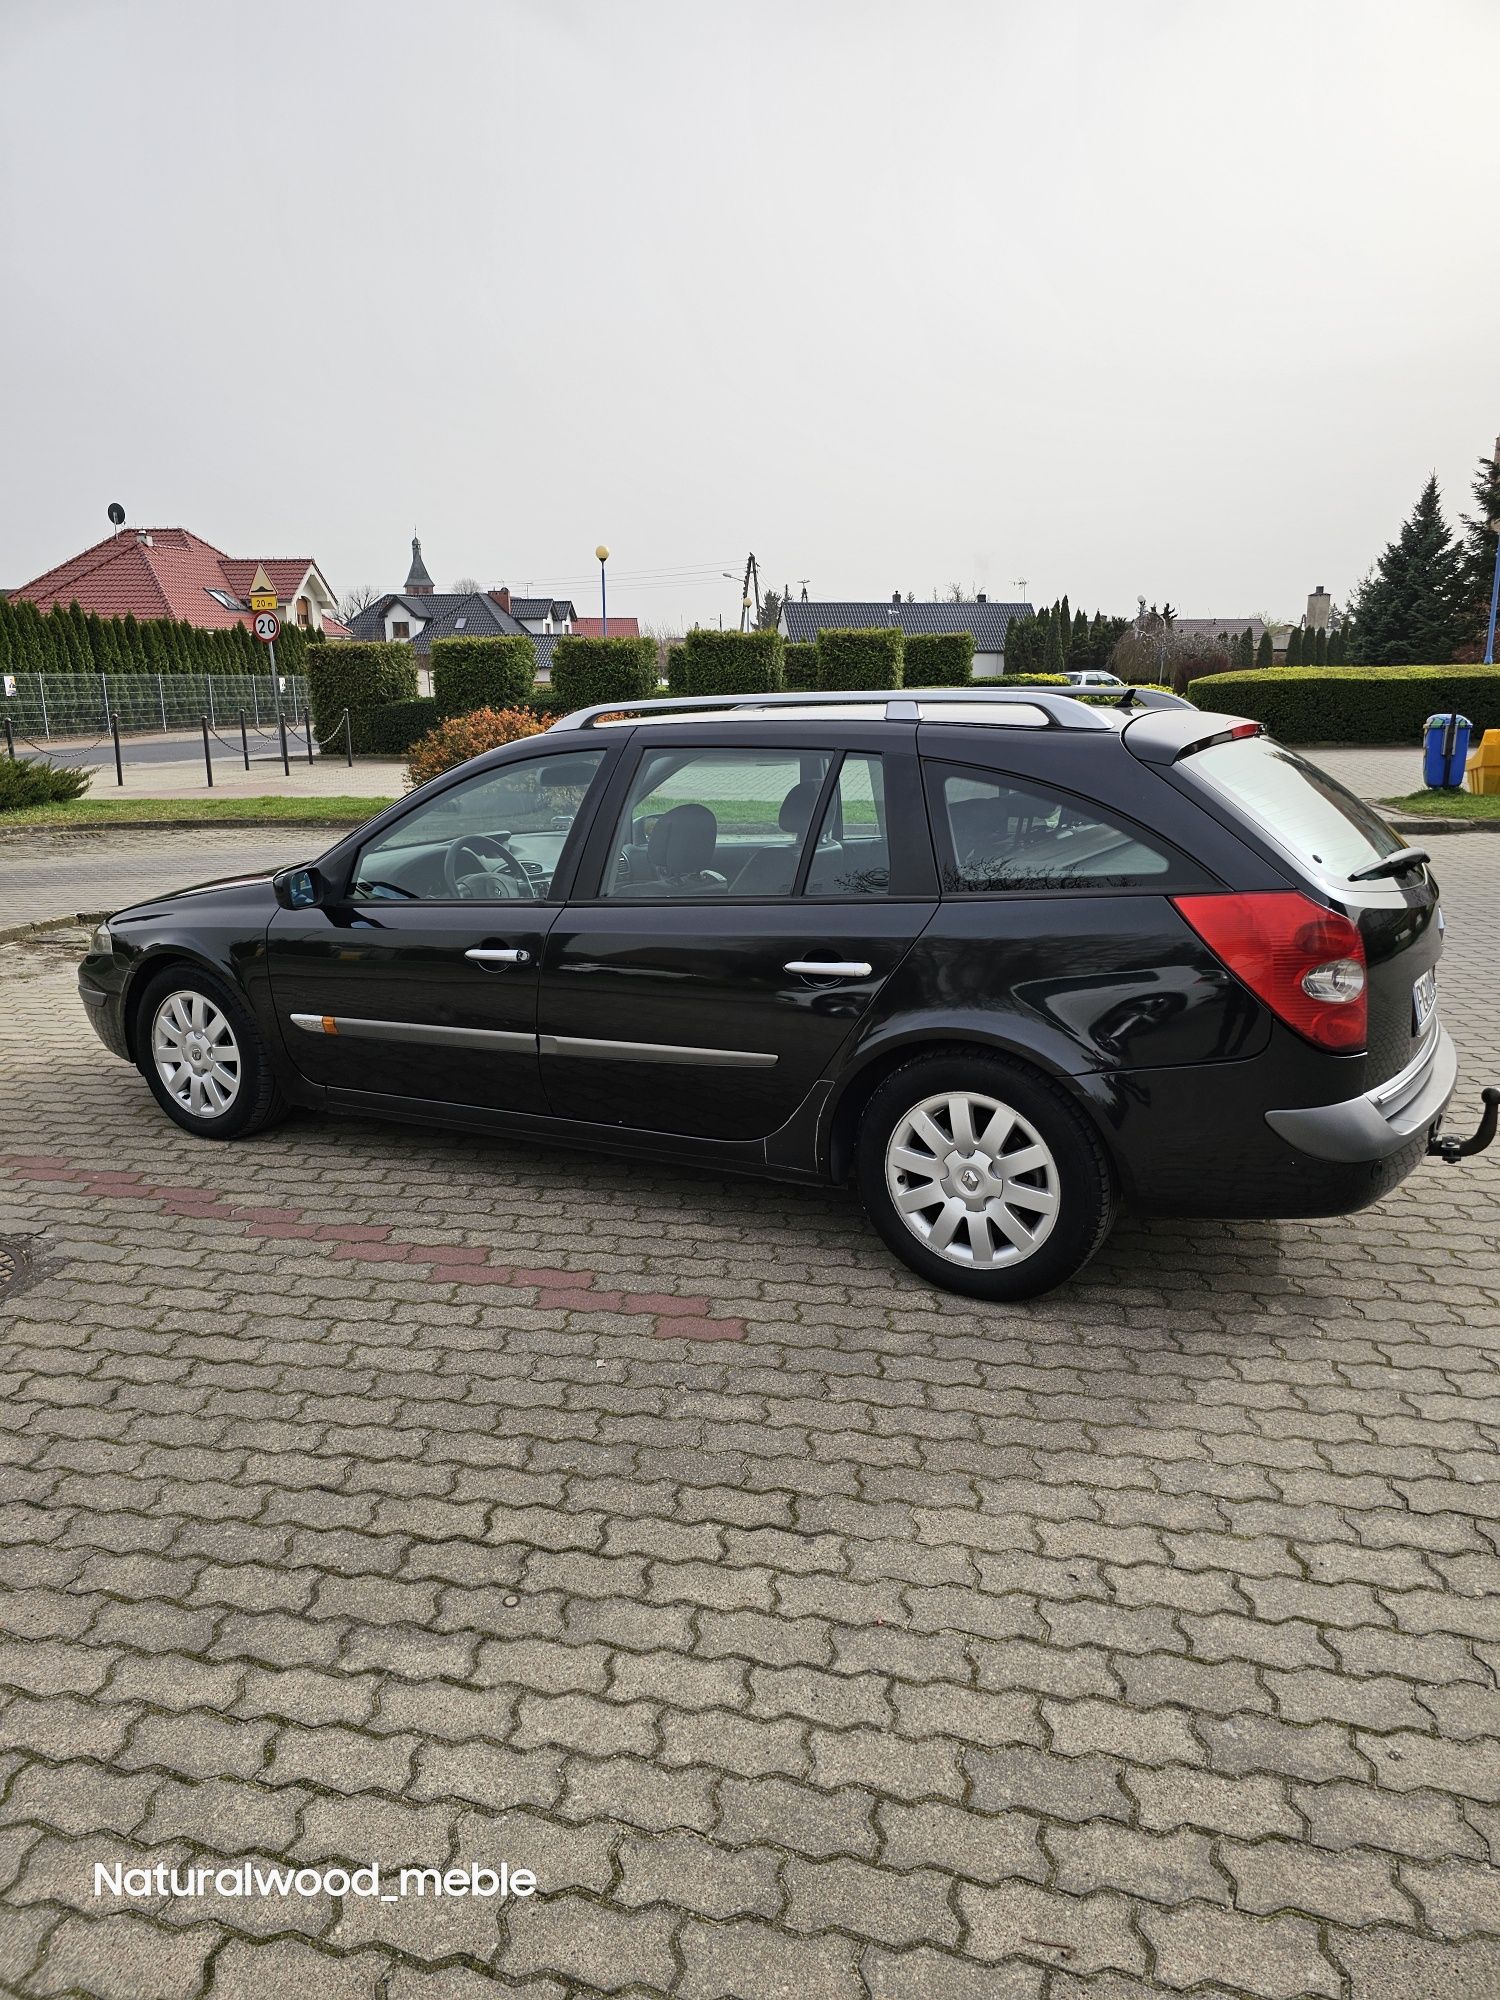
{"points": [[972, 1180], [196, 1054]]}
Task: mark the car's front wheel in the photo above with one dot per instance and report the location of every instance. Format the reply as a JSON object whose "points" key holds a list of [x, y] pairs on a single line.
{"points": [[983, 1176], [198, 1047]]}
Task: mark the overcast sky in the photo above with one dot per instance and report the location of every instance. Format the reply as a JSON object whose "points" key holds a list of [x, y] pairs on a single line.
{"points": [[1172, 297]]}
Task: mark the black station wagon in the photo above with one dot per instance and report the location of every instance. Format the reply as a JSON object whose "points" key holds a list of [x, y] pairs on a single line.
{"points": [[1004, 958]]}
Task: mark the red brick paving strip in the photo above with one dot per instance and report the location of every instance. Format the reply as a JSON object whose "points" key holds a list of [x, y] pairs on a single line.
{"points": [[673, 1317]]}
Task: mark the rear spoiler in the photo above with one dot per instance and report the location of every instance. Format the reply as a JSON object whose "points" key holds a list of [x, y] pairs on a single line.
{"points": [[1159, 737]]}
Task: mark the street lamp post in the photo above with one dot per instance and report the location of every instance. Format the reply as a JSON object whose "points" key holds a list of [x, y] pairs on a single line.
{"points": [[603, 554]]}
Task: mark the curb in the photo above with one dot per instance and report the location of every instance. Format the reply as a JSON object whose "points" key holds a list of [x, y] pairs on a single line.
{"points": [[11, 834], [1420, 823], [84, 920]]}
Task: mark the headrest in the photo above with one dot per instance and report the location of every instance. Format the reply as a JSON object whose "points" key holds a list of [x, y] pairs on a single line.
{"points": [[682, 841], [797, 806]]}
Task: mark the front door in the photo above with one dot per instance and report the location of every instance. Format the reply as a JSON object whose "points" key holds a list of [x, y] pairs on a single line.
{"points": [[747, 910], [420, 979]]}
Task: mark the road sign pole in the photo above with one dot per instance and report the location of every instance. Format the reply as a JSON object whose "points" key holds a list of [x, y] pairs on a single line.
{"points": [[208, 761], [286, 765]]}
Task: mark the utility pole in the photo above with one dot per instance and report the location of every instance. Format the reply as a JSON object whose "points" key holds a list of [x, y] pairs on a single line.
{"points": [[752, 580]]}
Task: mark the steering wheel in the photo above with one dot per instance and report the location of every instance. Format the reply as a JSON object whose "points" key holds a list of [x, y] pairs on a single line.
{"points": [[479, 848]]}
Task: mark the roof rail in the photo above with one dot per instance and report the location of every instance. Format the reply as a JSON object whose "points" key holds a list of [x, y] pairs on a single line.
{"points": [[1062, 708]]}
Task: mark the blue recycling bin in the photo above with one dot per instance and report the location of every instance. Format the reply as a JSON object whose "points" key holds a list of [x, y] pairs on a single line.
{"points": [[1445, 746]]}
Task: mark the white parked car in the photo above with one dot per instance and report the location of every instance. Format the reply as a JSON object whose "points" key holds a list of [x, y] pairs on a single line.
{"points": [[1094, 680]]}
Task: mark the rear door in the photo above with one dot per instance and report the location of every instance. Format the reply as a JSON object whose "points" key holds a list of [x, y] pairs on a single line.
{"points": [[743, 904], [1329, 836]]}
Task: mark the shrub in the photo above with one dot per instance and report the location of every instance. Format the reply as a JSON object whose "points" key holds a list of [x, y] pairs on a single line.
{"points": [[855, 659], [734, 662], [1353, 704], [677, 669], [393, 728], [587, 671], [482, 673], [359, 675], [939, 659], [461, 737], [800, 665], [31, 782]]}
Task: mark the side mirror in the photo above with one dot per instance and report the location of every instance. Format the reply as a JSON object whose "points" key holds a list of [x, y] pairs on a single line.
{"points": [[299, 888]]}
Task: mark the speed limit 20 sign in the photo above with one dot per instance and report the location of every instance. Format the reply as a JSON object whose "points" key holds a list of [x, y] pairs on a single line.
{"points": [[267, 625]]}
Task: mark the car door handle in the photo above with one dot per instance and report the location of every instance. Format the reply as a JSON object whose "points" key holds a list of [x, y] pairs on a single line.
{"points": [[830, 968], [487, 955]]}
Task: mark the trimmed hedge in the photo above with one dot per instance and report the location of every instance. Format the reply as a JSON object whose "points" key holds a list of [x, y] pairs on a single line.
{"points": [[586, 671], [360, 675], [858, 659], [939, 659], [677, 670], [481, 673], [800, 664], [1352, 704], [734, 662], [393, 728]]}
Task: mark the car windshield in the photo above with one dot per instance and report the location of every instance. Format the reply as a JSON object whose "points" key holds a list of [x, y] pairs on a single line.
{"points": [[1304, 810]]}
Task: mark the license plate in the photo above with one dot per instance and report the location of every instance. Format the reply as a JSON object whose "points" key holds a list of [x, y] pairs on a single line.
{"points": [[1423, 1000]]}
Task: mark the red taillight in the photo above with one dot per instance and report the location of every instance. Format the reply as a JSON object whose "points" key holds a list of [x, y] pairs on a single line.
{"points": [[1306, 963]]}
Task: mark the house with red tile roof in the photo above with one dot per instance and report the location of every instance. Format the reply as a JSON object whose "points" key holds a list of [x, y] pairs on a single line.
{"points": [[619, 628], [173, 573]]}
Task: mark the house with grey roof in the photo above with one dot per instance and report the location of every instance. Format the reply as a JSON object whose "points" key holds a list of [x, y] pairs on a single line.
{"points": [[419, 612], [802, 619]]}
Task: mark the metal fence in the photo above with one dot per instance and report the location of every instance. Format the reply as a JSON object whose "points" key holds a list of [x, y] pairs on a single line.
{"points": [[43, 706]]}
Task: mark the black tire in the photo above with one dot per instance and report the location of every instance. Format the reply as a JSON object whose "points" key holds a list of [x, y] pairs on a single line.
{"points": [[257, 1100], [1075, 1177]]}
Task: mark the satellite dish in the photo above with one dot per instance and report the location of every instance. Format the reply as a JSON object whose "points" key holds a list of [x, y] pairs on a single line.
{"points": [[117, 513]]}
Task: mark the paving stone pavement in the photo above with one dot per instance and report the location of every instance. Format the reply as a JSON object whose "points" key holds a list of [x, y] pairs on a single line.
{"points": [[379, 1496]]}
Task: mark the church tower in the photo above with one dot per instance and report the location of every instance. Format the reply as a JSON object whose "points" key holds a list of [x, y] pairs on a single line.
{"points": [[418, 582]]}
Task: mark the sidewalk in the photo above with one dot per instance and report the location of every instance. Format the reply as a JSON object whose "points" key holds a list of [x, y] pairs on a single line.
{"points": [[171, 767]]}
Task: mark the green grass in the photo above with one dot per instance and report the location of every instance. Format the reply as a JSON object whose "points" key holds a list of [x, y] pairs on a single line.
{"points": [[1448, 805], [273, 811]]}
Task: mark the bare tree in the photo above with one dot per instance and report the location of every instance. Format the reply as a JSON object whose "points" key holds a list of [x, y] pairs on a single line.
{"points": [[360, 598], [469, 586]]}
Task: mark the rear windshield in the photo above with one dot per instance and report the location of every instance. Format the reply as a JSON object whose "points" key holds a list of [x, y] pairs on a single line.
{"points": [[1299, 806]]}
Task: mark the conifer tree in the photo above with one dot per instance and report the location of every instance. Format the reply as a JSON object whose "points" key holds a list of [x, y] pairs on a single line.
{"points": [[1079, 653], [1294, 647], [1265, 652], [1320, 645], [131, 651], [1479, 545], [1056, 664], [1336, 647], [1415, 609]]}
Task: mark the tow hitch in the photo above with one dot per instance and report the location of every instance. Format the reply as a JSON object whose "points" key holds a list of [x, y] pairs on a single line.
{"points": [[1451, 1151]]}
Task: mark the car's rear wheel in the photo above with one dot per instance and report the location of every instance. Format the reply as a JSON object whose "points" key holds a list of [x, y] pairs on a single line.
{"points": [[983, 1176], [198, 1047]]}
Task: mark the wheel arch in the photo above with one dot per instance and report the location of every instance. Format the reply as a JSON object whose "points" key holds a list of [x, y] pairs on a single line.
{"points": [[147, 969], [844, 1111]]}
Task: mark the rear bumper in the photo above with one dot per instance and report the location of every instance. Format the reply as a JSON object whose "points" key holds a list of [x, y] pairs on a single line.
{"points": [[1384, 1120]]}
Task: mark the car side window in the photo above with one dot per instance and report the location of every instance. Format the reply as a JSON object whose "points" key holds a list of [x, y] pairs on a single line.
{"points": [[496, 837], [852, 855], [721, 823], [1002, 834]]}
